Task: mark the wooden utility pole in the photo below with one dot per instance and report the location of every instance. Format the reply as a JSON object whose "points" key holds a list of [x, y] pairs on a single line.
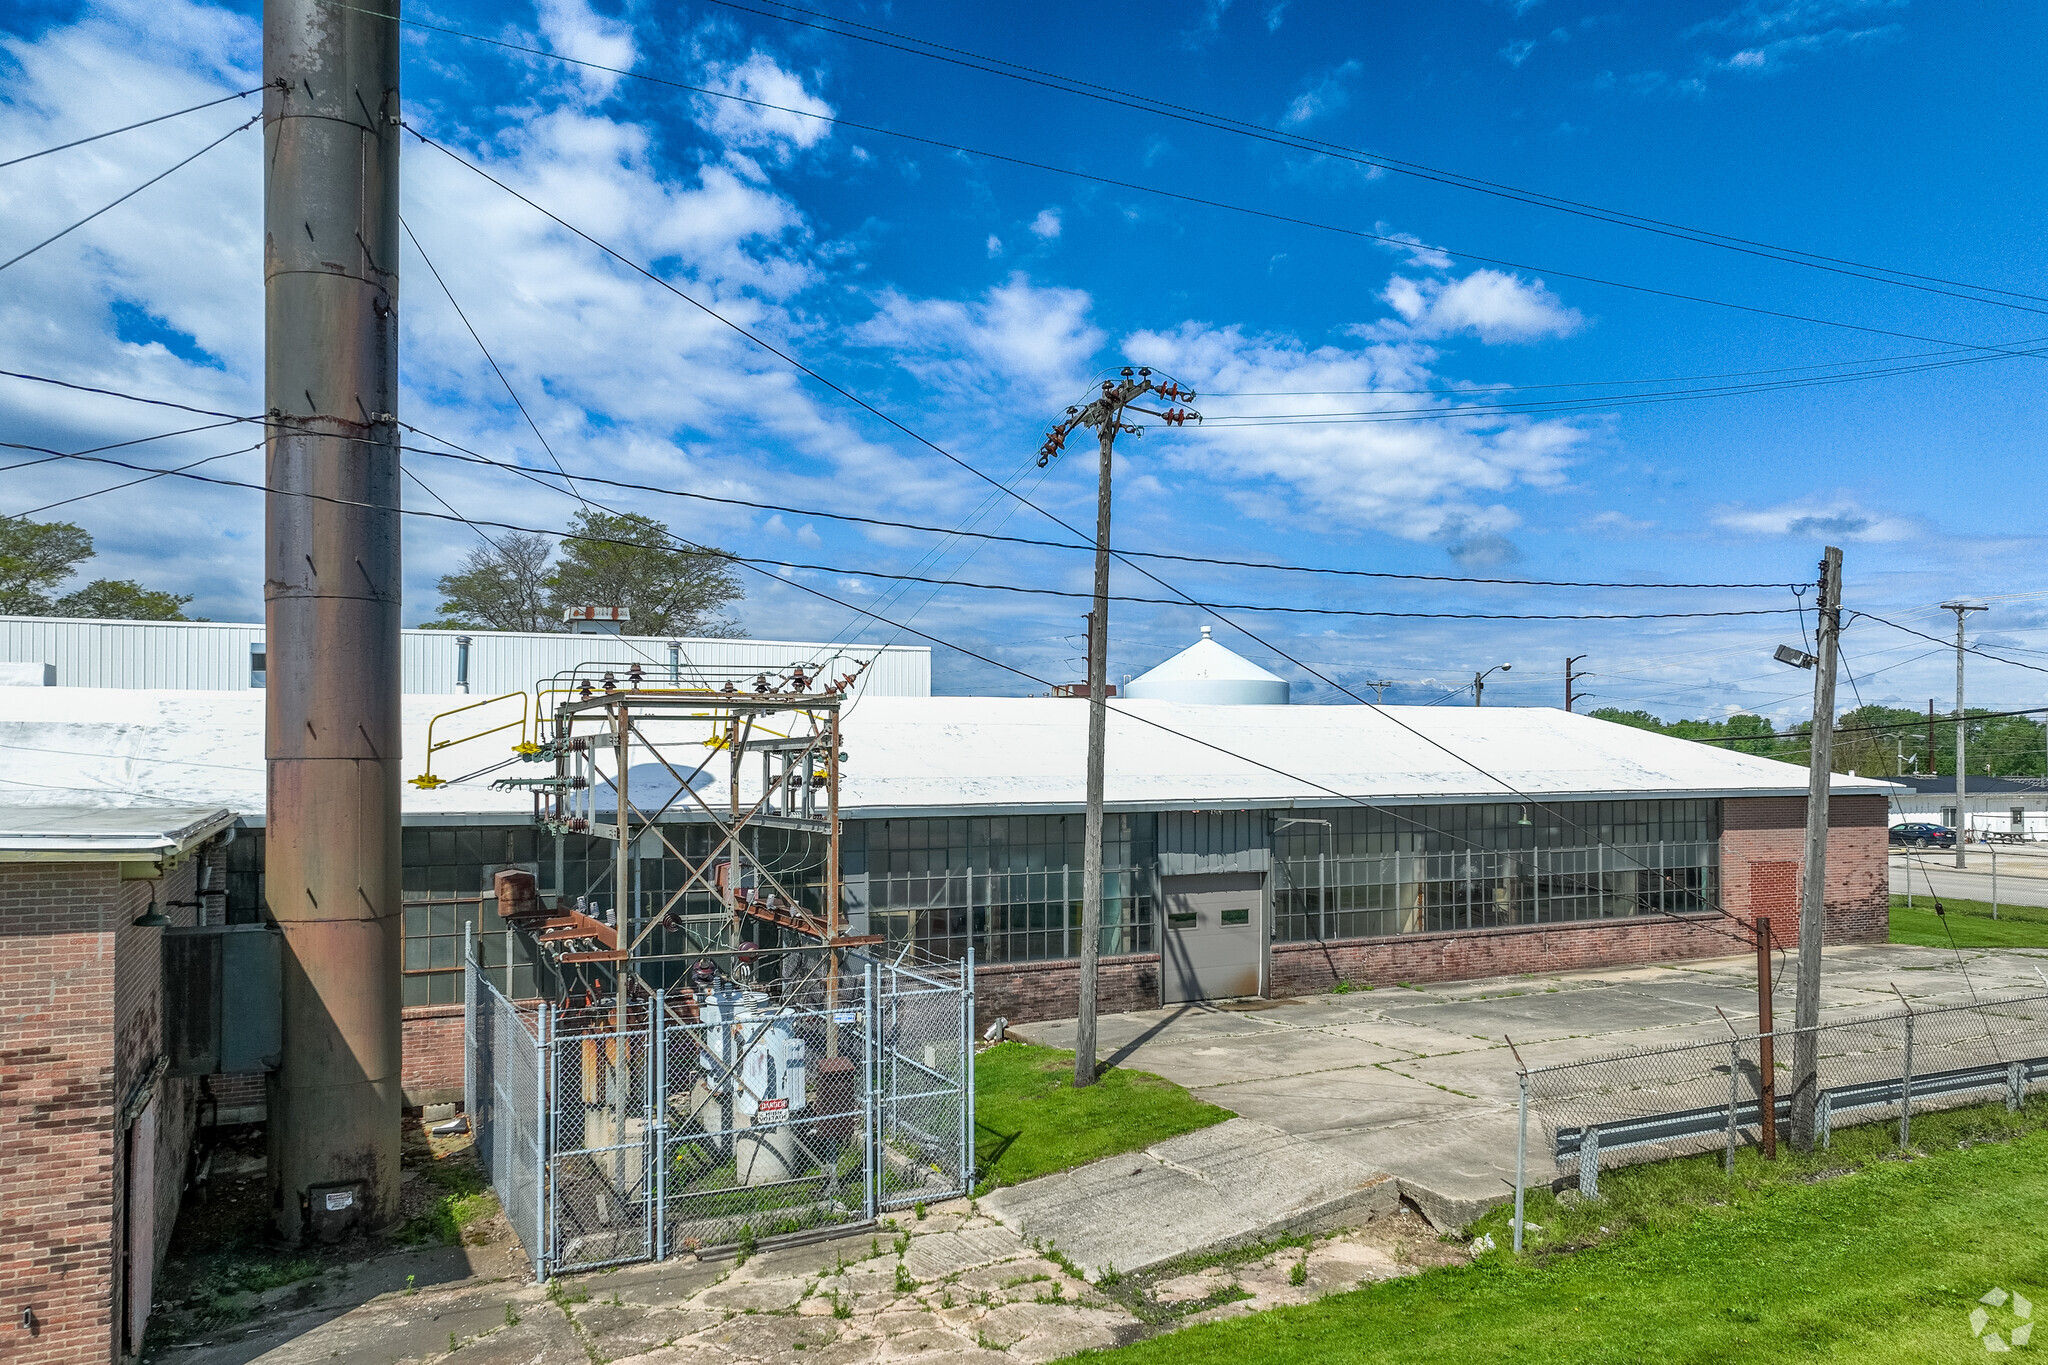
{"points": [[1105, 414], [1813, 888], [331, 608], [1098, 734], [1570, 697]]}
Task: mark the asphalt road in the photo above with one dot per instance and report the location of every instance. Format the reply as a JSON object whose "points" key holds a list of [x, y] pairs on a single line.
{"points": [[2022, 878]]}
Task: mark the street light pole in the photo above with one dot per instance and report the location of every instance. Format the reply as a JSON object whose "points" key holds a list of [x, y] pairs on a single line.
{"points": [[1106, 414], [1962, 609], [1479, 681]]}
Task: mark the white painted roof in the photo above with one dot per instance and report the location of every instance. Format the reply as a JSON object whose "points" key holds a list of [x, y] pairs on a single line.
{"points": [[937, 755]]}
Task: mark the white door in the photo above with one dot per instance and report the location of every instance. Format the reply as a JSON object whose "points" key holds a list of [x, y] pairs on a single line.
{"points": [[1212, 937]]}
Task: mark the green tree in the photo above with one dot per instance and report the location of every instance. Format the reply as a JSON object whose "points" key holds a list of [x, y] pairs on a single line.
{"points": [[627, 560], [121, 599], [500, 587], [1750, 734], [35, 556]]}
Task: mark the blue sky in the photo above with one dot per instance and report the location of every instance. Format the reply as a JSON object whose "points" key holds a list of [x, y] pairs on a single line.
{"points": [[973, 300]]}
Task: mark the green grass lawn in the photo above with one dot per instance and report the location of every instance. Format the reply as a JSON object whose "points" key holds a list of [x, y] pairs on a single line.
{"points": [[1029, 1119], [1850, 1255], [2017, 926]]}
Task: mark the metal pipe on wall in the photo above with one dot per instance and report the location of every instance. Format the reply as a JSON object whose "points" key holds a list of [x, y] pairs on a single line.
{"points": [[331, 604]]}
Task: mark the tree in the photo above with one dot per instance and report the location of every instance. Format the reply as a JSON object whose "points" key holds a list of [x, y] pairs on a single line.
{"points": [[35, 556], [121, 599], [1750, 734], [500, 587], [626, 560]]}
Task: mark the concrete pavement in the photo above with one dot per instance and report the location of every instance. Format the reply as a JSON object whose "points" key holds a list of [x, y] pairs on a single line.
{"points": [[1417, 1084]]}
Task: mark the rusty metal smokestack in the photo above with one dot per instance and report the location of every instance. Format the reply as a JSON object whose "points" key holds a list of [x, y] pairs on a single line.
{"points": [[331, 602]]}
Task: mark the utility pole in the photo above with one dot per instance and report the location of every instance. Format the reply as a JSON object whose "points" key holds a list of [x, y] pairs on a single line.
{"points": [[1813, 890], [1104, 414], [331, 603], [1932, 767], [1379, 689], [1479, 681], [1962, 609], [1570, 678]]}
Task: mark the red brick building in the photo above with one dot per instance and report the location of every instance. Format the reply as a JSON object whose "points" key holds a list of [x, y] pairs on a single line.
{"points": [[94, 1132]]}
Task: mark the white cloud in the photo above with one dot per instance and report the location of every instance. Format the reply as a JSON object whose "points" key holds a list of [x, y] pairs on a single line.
{"points": [[573, 29], [1492, 305], [1418, 252], [1517, 52], [1327, 96], [771, 131], [1016, 335], [1817, 519], [1420, 479], [1047, 224], [995, 246], [1776, 33]]}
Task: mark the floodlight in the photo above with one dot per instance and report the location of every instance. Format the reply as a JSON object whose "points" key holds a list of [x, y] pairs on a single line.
{"points": [[1797, 658]]}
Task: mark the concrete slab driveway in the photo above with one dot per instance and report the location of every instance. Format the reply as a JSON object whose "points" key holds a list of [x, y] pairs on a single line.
{"points": [[1419, 1083]]}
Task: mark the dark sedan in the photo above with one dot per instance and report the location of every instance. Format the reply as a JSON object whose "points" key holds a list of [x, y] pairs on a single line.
{"points": [[1923, 836]]}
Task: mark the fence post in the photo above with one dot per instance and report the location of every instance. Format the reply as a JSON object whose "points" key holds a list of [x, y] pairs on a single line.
{"points": [[1824, 1120], [1589, 1161], [657, 1125], [2015, 1085], [469, 1104], [1906, 1086], [1734, 1098], [967, 1068], [1521, 1156], [543, 1185], [871, 1109]]}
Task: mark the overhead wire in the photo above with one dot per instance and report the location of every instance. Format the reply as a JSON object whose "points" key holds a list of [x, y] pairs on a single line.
{"points": [[997, 66], [130, 127], [1401, 242], [55, 236]]}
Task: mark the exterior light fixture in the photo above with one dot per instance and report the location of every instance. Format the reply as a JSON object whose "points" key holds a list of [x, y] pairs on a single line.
{"points": [[1796, 658], [152, 918]]}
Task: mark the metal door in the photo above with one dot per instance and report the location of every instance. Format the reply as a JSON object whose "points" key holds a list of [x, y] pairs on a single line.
{"points": [[1215, 927]]}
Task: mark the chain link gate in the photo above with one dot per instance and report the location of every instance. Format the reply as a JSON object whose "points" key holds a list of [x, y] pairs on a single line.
{"points": [[704, 1118]]}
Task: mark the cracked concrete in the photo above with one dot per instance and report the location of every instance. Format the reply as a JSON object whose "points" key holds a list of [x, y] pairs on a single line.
{"points": [[954, 1286], [1418, 1084]]}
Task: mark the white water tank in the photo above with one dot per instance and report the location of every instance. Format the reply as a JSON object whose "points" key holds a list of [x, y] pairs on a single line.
{"points": [[1206, 672]]}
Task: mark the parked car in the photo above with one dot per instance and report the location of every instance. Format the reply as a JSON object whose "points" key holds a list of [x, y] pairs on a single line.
{"points": [[1923, 836]]}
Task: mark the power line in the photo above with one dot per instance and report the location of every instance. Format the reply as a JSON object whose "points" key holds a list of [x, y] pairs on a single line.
{"points": [[129, 128], [457, 451], [81, 497], [1361, 234], [1568, 384], [493, 360], [904, 628], [1967, 649], [1223, 123], [132, 193]]}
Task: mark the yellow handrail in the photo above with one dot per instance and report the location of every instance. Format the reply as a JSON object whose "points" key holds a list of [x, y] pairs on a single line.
{"points": [[426, 781]]}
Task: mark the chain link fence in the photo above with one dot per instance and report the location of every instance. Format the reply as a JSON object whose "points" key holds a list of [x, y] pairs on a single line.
{"points": [[690, 1119], [1655, 1103]]}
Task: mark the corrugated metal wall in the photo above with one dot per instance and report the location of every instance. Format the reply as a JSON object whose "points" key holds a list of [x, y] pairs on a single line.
{"points": [[1196, 842], [213, 657]]}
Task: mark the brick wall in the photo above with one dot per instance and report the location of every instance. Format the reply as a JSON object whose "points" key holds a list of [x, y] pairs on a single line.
{"points": [[1026, 991], [431, 1069], [1763, 848], [80, 987]]}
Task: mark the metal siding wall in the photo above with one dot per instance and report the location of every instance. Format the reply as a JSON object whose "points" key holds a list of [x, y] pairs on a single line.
{"points": [[214, 657], [1196, 842]]}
